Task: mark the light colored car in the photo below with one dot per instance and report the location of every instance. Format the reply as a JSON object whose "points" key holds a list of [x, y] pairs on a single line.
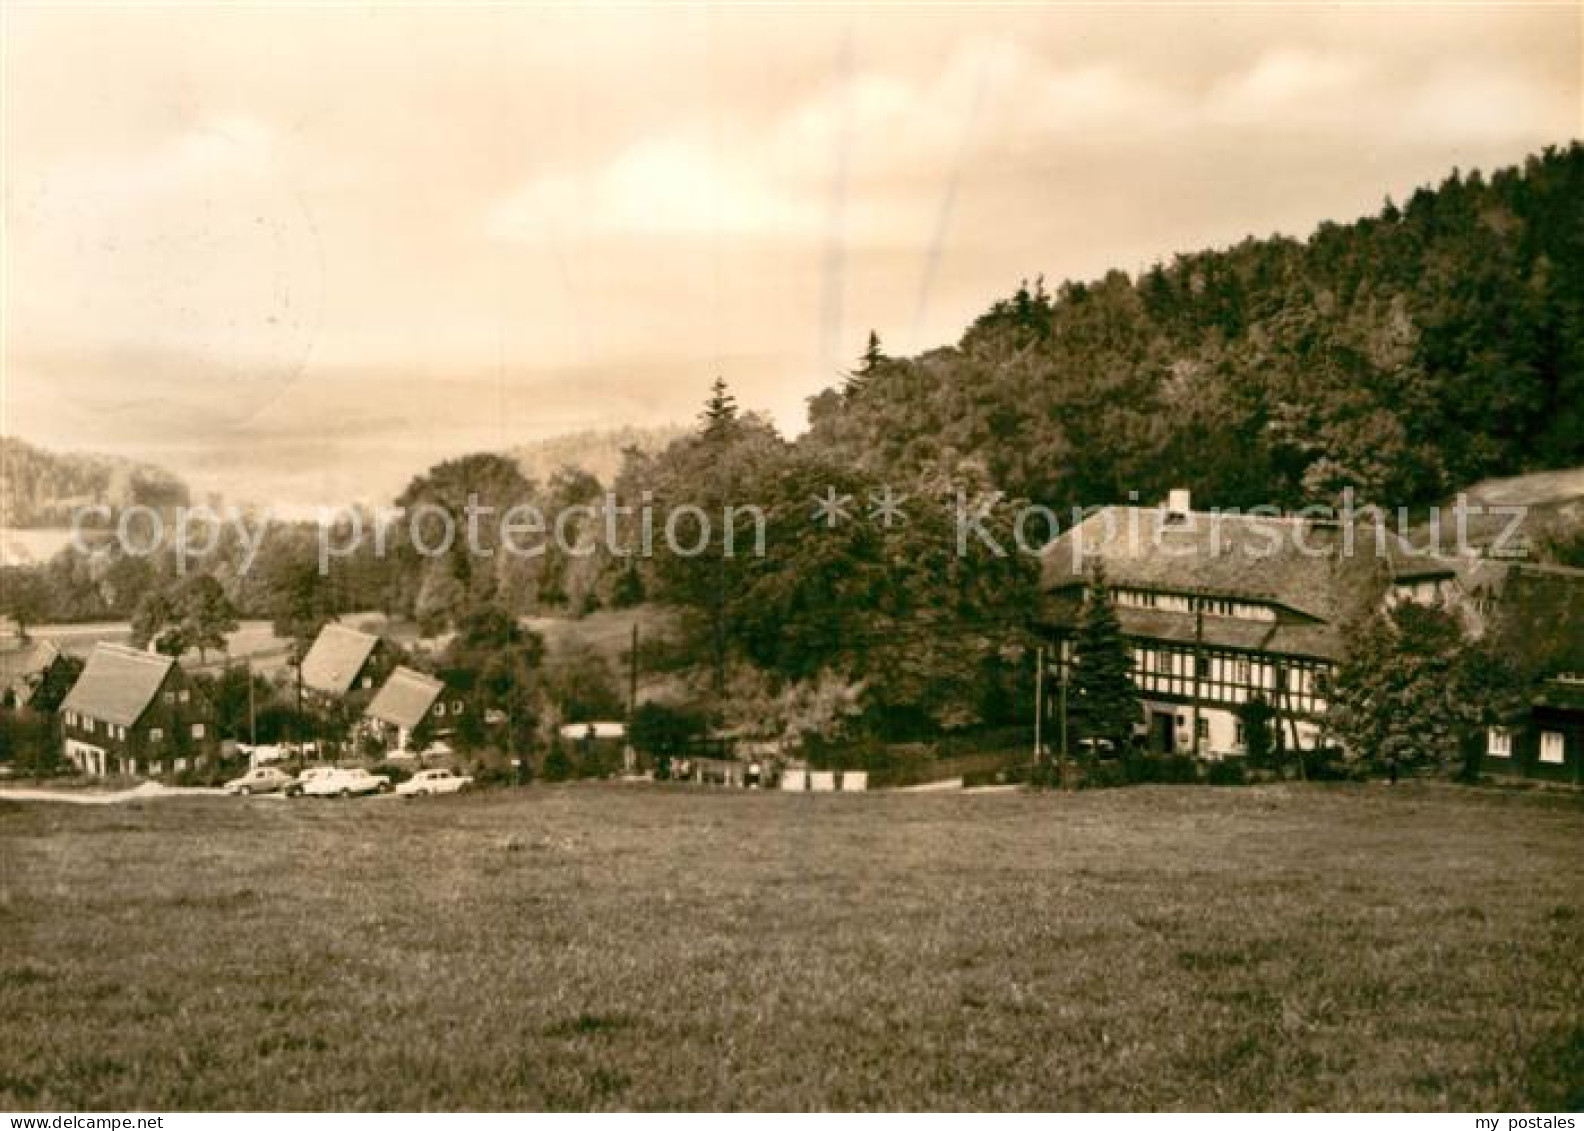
{"points": [[432, 782], [346, 783], [299, 784], [264, 779]]}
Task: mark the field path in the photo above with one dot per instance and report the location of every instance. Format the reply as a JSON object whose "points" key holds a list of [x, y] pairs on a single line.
{"points": [[84, 797]]}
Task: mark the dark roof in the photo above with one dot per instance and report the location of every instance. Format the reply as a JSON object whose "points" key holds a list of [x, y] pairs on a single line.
{"points": [[337, 655], [405, 698], [1540, 618], [1290, 563], [1562, 694], [117, 684], [1280, 637]]}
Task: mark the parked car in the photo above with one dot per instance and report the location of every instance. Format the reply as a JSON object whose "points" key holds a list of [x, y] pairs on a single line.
{"points": [[432, 782], [299, 784], [264, 779], [346, 783]]}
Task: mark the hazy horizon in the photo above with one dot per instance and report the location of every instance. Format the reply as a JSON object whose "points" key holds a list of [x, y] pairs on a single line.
{"points": [[297, 256]]}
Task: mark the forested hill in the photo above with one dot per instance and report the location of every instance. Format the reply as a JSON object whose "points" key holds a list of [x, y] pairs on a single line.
{"points": [[41, 488], [1408, 353], [596, 451]]}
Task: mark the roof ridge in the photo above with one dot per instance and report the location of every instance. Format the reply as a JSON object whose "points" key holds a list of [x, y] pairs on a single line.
{"points": [[337, 626], [128, 652], [403, 669]]}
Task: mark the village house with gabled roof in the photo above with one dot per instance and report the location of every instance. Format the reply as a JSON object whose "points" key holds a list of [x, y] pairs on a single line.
{"points": [[344, 663], [405, 700], [1534, 615], [1217, 608], [35, 676], [133, 712]]}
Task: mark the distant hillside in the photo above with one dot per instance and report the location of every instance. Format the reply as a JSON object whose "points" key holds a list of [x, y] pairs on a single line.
{"points": [[1435, 344], [1553, 523], [597, 451], [41, 489]]}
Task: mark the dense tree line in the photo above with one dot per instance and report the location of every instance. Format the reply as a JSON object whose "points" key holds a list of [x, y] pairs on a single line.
{"points": [[1406, 354]]}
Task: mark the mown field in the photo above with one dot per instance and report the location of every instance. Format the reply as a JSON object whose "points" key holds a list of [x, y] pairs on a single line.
{"points": [[608, 946]]}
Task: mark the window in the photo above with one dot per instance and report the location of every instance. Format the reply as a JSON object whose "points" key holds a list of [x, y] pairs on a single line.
{"points": [[197, 730], [156, 734], [368, 681], [183, 695], [1237, 734], [1240, 671], [456, 706], [439, 709], [88, 725], [1202, 729], [169, 697], [1551, 747], [1498, 742]]}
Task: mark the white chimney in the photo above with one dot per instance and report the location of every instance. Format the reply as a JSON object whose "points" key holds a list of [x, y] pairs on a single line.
{"points": [[1179, 501]]}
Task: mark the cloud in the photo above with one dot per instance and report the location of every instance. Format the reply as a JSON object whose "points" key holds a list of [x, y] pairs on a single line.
{"points": [[1288, 85], [669, 186]]}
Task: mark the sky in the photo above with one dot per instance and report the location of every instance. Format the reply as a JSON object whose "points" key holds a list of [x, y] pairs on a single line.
{"points": [[297, 254]]}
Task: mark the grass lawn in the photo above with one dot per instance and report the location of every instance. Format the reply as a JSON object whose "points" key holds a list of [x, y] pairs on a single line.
{"points": [[608, 946]]}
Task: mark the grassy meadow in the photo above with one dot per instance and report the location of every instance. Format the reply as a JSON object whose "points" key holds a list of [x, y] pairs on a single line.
{"points": [[598, 946]]}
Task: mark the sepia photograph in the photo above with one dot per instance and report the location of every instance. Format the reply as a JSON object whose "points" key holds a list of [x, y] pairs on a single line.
{"points": [[932, 556]]}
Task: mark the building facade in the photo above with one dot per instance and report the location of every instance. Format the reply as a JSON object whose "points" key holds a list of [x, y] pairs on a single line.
{"points": [[135, 713], [1217, 609], [1531, 614], [344, 667], [407, 700]]}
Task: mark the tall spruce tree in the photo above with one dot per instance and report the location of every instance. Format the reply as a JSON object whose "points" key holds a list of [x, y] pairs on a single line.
{"points": [[719, 417], [1104, 699], [872, 358]]}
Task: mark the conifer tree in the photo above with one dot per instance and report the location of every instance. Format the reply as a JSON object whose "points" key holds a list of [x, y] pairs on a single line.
{"points": [[871, 359], [719, 417], [1104, 698]]}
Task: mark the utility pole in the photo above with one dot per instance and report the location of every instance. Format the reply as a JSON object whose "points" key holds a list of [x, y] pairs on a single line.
{"points": [[1063, 665], [297, 718], [1039, 702], [1198, 660], [632, 676], [630, 756]]}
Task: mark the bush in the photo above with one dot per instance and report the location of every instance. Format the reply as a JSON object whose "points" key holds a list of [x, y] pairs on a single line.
{"points": [[398, 772], [210, 773], [493, 773], [1008, 775], [1227, 771], [1105, 774], [558, 764], [1166, 769], [981, 739]]}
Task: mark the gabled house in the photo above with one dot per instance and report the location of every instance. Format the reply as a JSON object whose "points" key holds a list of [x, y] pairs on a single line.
{"points": [[1538, 621], [1216, 609], [344, 664], [405, 700], [133, 712], [35, 676]]}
